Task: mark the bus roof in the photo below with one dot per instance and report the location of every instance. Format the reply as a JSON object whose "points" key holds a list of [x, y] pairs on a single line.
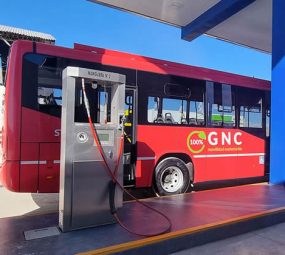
{"points": [[137, 62]]}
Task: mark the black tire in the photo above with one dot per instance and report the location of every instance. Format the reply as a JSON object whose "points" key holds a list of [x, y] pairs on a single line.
{"points": [[171, 177]]}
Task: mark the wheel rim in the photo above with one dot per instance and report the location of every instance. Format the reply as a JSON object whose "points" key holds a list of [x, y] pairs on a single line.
{"points": [[171, 179]]}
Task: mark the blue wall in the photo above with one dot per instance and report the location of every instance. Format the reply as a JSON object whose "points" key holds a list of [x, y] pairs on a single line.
{"points": [[277, 145]]}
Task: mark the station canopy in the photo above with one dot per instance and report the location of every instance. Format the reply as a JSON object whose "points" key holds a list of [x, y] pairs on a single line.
{"points": [[10, 34], [243, 22]]}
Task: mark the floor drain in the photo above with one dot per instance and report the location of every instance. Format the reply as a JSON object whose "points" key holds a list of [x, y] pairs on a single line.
{"points": [[41, 233]]}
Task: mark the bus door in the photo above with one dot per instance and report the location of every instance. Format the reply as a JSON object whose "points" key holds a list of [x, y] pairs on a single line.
{"points": [[251, 109], [267, 128], [222, 149], [129, 137]]}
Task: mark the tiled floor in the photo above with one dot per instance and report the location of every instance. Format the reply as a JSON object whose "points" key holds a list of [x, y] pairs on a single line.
{"points": [[185, 211], [265, 241]]}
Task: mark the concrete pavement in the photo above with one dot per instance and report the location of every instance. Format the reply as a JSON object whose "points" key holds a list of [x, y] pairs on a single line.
{"points": [[17, 204]]}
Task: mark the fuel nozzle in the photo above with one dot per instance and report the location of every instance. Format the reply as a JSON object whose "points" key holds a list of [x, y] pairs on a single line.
{"points": [[94, 85], [122, 120]]}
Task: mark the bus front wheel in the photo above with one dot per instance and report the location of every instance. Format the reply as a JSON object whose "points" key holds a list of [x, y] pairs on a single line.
{"points": [[171, 177]]}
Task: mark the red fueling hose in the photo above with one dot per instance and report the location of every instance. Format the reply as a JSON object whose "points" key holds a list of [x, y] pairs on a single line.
{"points": [[113, 175]]}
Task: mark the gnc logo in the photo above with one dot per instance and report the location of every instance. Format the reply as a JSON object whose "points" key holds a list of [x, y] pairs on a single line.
{"points": [[196, 140]]}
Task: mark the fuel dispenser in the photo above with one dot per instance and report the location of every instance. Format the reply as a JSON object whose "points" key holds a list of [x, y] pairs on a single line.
{"points": [[84, 198]]}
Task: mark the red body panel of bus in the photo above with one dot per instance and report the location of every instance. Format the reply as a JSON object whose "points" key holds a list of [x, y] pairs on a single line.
{"points": [[230, 153], [31, 142]]}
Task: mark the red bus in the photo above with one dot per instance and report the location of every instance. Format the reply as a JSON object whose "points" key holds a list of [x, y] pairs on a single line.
{"points": [[184, 124]]}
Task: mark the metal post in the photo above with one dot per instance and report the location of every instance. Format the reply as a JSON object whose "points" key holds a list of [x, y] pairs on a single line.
{"points": [[277, 166]]}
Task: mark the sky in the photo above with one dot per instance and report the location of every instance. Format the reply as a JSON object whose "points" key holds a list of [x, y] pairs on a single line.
{"points": [[80, 21]]}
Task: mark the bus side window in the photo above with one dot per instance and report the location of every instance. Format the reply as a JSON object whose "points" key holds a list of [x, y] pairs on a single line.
{"points": [[49, 100], [49, 87], [196, 108], [152, 110], [250, 110], [220, 102], [268, 122], [166, 111], [99, 100], [174, 111], [49, 96], [42, 84]]}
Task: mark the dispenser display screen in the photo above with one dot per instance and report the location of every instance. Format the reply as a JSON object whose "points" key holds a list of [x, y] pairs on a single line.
{"points": [[104, 137]]}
